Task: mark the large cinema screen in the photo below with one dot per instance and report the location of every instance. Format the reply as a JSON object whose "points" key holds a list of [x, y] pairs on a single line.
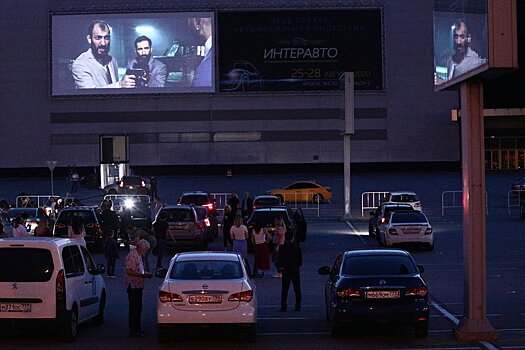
{"points": [[307, 50], [132, 53], [460, 40]]}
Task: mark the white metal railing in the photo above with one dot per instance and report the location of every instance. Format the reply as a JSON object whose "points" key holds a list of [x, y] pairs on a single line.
{"points": [[514, 199], [221, 199], [454, 200], [371, 200]]}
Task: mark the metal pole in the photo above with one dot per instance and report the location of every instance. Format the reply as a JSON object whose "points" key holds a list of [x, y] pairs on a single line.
{"points": [[52, 189], [349, 129]]}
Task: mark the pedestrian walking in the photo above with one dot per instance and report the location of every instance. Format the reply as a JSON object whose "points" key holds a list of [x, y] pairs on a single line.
{"points": [[111, 252], [239, 236], [134, 284], [289, 262], [260, 237]]}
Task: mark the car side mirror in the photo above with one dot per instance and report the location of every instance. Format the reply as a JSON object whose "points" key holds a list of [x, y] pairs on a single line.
{"points": [[420, 268], [161, 273], [324, 270]]}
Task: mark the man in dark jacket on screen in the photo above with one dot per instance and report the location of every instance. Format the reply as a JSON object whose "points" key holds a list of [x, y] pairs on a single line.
{"points": [[289, 262]]}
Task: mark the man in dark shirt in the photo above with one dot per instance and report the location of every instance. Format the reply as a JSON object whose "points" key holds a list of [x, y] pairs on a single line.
{"points": [[289, 261], [161, 228]]}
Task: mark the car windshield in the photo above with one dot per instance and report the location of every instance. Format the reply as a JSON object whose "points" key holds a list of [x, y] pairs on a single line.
{"points": [[206, 269], [194, 199], [375, 265], [404, 198], [177, 215], [408, 217], [25, 265]]}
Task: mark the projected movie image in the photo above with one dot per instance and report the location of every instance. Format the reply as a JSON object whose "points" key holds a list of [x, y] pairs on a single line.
{"points": [[132, 53], [460, 43]]}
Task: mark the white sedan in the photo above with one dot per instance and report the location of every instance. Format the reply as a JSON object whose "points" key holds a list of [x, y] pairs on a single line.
{"points": [[406, 227], [207, 289]]}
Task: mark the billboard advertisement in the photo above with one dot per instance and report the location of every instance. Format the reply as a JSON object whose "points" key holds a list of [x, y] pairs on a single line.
{"points": [[132, 53], [460, 40], [307, 50]]}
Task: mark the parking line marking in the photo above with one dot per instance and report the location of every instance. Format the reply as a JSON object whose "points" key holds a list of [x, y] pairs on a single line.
{"points": [[445, 313]]}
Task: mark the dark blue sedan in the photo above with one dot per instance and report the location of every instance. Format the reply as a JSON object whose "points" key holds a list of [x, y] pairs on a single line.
{"points": [[375, 287]]}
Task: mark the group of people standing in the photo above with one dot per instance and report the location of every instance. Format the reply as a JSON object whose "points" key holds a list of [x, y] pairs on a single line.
{"points": [[280, 247]]}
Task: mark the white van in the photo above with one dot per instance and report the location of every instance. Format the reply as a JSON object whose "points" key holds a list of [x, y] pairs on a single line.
{"points": [[49, 282]]}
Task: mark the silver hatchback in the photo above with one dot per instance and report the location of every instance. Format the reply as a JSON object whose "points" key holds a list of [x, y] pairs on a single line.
{"points": [[187, 230]]}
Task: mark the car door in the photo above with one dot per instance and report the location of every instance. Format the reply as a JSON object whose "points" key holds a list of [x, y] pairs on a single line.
{"points": [[78, 285], [331, 283], [94, 280]]}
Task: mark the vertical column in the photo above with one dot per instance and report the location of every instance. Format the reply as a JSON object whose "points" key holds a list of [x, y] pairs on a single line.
{"points": [[474, 325], [349, 129]]}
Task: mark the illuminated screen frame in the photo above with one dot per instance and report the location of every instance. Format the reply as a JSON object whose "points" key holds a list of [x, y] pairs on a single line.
{"points": [[451, 65], [177, 46]]}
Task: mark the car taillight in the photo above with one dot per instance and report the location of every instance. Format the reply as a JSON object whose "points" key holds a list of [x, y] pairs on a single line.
{"points": [[348, 292], [242, 296], [207, 222], [143, 184], [167, 297], [421, 291], [428, 231], [392, 231], [60, 288], [60, 225], [383, 220], [121, 184], [209, 206]]}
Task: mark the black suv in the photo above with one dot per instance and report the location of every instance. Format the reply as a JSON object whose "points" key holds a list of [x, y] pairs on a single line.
{"points": [[203, 199], [265, 217], [88, 217]]}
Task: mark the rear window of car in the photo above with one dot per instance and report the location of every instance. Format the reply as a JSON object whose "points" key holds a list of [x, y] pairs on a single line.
{"points": [[378, 265], [32, 213], [206, 269], [404, 198], [86, 216], [25, 265], [266, 201], [184, 215], [408, 217], [135, 181], [194, 199]]}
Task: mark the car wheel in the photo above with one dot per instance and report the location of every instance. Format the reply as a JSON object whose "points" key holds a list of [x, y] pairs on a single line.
{"points": [[421, 329], [317, 198], [99, 318], [70, 327], [251, 334]]}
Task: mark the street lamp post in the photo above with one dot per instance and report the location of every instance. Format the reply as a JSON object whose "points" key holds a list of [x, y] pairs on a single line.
{"points": [[51, 165]]}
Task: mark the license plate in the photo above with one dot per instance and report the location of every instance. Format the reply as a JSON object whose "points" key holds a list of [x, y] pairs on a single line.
{"points": [[383, 294], [205, 299], [15, 307], [411, 230]]}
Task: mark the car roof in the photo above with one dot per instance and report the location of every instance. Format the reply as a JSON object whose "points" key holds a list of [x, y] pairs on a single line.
{"points": [[208, 255], [376, 252], [394, 205], [188, 193], [402, 192], [272, 208], [35, 242], [266, 196], [176, 206]]}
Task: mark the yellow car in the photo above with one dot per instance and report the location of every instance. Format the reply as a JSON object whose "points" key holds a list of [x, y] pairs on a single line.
{"points": [[303, 191]]}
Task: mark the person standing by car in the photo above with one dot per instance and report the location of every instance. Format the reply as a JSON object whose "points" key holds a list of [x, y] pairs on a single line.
{"points": [[277, 241], [289, 262], [228, 217], [42, 229], [19, 230], [161, 229], [110, 219], [239, 235], [246, 205], [262, 254], [76, 230], [110, 252], [134, 283]]}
